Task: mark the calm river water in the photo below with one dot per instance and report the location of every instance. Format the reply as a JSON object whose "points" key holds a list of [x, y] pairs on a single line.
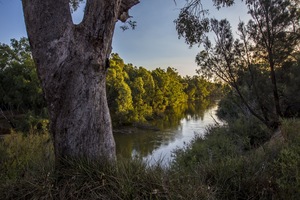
{"points": [[174, 130]]}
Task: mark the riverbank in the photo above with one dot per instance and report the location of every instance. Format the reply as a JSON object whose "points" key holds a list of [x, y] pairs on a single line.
{"points": [[219, 165], [245, 161], [156, 140]]}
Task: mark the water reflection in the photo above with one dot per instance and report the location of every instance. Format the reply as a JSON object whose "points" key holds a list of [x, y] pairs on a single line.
{"points": [[173, 130]]}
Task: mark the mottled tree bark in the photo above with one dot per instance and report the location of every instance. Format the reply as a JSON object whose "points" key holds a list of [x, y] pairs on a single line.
{"points": [[71, 66]]}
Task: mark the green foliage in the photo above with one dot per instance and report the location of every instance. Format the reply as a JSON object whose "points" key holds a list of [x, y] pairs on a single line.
{"points": [[220, 142], [136, 95], [23, 156], [199, 89], [169, 90], [287, 165], [19, 85], [118, 92], [231, 106], [191, 23], [21, 101], [289, 87], [221, 160], [31, 122]]}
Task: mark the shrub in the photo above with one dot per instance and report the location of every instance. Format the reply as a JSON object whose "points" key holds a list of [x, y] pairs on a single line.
{"points": [[27, 172], [31, 123], [234, 168], [22, 155], [287, 165]]}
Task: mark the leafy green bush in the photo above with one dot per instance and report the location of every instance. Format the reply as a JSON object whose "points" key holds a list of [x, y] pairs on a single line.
{"points": [[220, 142], [32, 123], [210, 148], [287, 165], [288, 169], [19, 84]]}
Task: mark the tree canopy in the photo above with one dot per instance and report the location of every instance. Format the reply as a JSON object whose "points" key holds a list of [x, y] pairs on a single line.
{"points": [[264, 45], [135, 94]]}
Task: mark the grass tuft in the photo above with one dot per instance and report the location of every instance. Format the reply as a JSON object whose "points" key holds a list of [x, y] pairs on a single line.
{"points": [[223, 164]]}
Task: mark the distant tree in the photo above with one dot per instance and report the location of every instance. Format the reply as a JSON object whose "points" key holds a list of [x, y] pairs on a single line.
{"points": [[149, 85], [19, 85], [197, 88], [119, 93], [169, 89], [191, 88], [141, 108], [71, 61], [160, 101], [175, 90], [142, 86], [224, 61]]}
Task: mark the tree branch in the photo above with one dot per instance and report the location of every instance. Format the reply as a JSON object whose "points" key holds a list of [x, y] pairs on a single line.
{"points": [[124, 8]]}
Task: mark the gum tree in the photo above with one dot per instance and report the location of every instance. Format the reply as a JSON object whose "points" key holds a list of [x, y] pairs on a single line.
{"points": [[267, 41], [71, 62]]}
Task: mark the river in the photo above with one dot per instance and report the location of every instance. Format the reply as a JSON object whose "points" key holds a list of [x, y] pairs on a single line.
{"points": [[174, 130]]}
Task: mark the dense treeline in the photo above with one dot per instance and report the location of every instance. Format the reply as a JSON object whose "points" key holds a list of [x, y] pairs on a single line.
{"points": [[137, 94], [134, 94], [19, 85], [22, 106]]}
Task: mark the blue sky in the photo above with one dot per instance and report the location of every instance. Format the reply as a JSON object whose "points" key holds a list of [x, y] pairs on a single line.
{"points": [[154, 43]]}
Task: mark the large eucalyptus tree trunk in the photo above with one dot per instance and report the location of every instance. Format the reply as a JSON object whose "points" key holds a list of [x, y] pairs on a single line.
{"points": [[71, 62]]}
